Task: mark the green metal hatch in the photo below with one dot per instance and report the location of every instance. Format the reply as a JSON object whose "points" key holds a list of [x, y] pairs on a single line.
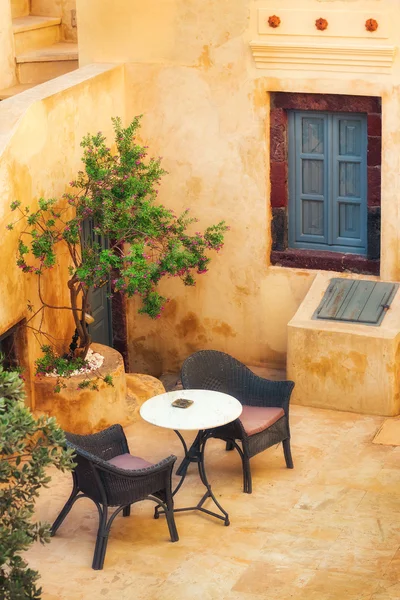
{"points": [[356, 301]]}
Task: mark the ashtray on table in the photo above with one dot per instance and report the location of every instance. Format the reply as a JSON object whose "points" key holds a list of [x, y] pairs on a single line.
{"points": [[182, 403]]}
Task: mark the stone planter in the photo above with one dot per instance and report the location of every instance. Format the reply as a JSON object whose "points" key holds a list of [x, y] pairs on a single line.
{"points": [[139, 389], [87, 411]]}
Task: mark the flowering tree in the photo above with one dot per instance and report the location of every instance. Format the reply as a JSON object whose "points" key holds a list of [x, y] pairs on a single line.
{"points": [[147, 241]]}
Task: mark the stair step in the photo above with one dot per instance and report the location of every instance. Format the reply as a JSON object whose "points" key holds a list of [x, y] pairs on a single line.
{"points": [[50, 8], [271, 372], [172, 381], [19, 8], [57, 52], [31, 22], [14, 90], [39, 72], [34, 32]]}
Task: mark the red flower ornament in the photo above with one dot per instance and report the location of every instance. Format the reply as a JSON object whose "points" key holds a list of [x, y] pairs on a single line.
{"points": [[321, 24], [274, 21], [371, 25]]}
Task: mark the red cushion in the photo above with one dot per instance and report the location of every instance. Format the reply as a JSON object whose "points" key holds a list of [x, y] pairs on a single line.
{"points": [[127, 461], [258, 418]]}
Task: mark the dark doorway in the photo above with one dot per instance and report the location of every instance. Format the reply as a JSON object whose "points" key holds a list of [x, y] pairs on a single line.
{"points": [[9, 348]]}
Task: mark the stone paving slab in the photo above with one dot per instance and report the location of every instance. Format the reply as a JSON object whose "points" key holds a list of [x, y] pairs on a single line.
{"points": [[327, 530], [389, 433]]}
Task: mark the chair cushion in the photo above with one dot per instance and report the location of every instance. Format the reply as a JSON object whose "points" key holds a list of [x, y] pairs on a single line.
{"points": [[127, 461], [258, 418]]}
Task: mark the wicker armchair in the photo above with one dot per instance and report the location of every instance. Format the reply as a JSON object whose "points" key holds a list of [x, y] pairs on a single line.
{"points": [[111, 477], [264, 421]]}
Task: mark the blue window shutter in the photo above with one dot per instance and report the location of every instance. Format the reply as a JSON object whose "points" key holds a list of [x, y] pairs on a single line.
{"points": [[356, 301], [328, 181], [349, 190], [308, 179]]}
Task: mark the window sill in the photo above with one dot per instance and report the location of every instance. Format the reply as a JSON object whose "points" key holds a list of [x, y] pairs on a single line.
{"points": [[325, 261]]}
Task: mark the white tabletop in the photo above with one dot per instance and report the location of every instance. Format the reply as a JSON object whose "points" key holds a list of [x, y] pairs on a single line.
{"points": [[209, 409]]}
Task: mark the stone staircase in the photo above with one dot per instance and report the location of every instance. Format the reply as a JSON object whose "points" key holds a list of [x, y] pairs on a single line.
{"points": [[40, 51]]}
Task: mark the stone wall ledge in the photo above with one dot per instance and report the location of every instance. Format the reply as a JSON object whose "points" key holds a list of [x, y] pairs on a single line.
{"points": [[13, 110]]}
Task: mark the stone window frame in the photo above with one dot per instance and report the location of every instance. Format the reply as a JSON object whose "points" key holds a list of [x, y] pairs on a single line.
{"points": [[281, 254]]}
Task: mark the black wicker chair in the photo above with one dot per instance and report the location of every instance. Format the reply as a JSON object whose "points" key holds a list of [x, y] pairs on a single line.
{"points": [[265, 418], [107, 474]]}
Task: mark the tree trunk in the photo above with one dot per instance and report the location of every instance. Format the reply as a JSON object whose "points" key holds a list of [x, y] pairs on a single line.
{"points": [[79, 316], [87, 338]]}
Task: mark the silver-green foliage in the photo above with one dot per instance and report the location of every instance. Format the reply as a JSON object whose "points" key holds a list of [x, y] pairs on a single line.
{"points": [[28, 445]]}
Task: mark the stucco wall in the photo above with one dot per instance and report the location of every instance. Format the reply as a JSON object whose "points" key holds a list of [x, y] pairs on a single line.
{"points": [[40, 135], [192, 73], [7, 64]]}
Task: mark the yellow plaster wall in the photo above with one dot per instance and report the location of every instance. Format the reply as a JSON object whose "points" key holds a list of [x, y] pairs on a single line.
{"points": [[7, 64], [191, 71], [40, 135]]}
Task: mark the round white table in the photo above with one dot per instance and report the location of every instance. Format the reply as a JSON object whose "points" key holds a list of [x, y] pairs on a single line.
{"points": [[209, 410]]}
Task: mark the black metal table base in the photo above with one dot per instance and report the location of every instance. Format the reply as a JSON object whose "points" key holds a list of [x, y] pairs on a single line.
{"points": [[191, 455], [196, 454]]}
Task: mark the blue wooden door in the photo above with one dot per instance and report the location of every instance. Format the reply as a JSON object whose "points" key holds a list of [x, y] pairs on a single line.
{"points": [[327, 181], [100, 303]]}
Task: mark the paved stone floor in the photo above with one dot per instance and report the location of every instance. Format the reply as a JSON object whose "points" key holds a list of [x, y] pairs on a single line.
{"points": [[327, 530]]}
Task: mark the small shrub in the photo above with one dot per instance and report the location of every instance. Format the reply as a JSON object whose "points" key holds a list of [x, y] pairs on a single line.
{"points": [[50, 362], [27, 446]]}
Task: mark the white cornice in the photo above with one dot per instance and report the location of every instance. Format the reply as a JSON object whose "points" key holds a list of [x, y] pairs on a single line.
{"points": [[357, 58]]}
